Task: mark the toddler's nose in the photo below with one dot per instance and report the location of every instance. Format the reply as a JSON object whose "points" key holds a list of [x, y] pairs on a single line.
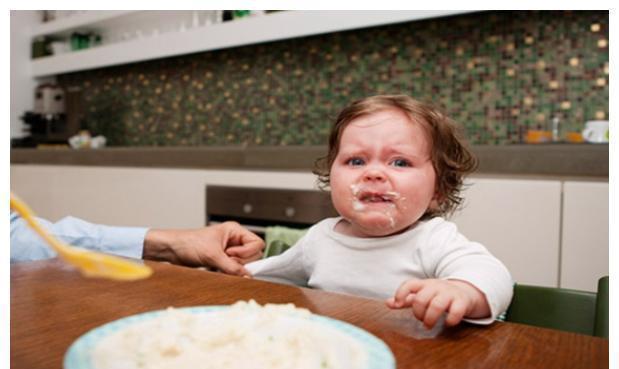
{"points": [[373, 175]]}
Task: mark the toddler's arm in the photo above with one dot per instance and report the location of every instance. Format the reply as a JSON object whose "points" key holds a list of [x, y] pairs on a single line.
{"points": [[464, 270], [430, 298]]}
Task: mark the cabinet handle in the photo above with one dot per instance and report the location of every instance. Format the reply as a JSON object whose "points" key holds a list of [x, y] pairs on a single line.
{"points": [[290, 211], [247, 208]]}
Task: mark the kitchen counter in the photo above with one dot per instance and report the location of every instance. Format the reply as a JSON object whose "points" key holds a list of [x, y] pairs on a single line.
{"points": [[583, 160]]}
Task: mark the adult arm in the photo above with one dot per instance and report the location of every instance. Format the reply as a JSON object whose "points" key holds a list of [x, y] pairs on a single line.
{"points": [[26, 245], [226, 246]]}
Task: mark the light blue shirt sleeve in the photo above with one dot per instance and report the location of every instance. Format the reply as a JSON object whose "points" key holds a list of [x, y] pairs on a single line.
{"points": [[26, 245]]}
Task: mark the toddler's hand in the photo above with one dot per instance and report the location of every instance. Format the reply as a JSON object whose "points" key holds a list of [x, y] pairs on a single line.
{"points": [[430, 298]]}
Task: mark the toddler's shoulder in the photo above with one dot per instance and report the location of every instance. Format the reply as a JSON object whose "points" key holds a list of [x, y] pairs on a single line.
{"points": [[320, 229], [438, 230], [436, 224]]}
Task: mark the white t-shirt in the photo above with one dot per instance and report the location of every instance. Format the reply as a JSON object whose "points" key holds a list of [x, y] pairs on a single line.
{"points": [[376, 267]]}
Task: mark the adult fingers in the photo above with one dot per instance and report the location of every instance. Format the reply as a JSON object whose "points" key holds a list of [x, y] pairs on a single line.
{"points": [[228, 265], [249, 251], [240, 261], [239, 235], [244, 260], [242, 243]]}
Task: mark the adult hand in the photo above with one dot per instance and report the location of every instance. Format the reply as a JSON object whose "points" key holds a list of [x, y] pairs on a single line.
{"points": [[226, 246], [430, 298]]}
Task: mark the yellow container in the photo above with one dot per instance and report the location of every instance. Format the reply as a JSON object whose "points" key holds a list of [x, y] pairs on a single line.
{"points": [[538, 136], [574, 137]]}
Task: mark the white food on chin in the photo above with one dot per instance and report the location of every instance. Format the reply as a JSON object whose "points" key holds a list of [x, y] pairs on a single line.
{"points": [[363, 195], [391, 220], [357, 205]]}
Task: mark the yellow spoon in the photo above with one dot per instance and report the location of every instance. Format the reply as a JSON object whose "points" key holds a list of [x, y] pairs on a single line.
{"points": [[90, 263]]}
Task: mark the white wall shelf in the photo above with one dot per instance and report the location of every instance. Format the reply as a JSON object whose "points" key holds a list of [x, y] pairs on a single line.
{"points": [[64, 26], [252, 30]]}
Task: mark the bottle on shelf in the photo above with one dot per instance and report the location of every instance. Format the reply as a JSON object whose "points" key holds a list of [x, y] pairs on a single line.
{"points": [[227, 15], [556, 136], [40, 47]]}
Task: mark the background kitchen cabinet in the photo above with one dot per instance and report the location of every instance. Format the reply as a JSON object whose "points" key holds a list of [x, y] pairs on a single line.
{"points": [[134, 196], [519, 222], [584, 235], [542, 239]]}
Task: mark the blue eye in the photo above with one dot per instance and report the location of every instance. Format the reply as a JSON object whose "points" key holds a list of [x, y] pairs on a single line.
{"points": [[355, 162], [401, 163]]}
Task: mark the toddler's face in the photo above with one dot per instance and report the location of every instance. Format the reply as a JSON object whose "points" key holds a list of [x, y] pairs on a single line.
{"points": [[382, 179]]}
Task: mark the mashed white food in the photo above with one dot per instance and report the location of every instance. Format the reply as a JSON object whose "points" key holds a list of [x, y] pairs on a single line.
{"points": [[246, 335]]}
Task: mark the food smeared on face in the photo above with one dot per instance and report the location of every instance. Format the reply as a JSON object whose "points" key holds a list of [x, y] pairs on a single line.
{"points": [[364, 198]]}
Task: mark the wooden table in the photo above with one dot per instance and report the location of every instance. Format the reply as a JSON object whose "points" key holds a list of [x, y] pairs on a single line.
{"points": [[52, 305]]}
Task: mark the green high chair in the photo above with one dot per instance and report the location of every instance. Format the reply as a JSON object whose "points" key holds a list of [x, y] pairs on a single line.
{"points": [[279, 239], [560, 308]]}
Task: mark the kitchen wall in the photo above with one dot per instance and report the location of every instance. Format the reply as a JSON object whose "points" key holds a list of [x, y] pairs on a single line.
{"points": [[497, 73], [22, 84]]}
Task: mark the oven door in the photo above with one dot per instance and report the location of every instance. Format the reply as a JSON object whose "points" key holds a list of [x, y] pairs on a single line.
{"points": [[277, 215]]}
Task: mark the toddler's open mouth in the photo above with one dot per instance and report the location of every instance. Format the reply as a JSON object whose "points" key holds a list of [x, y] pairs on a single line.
{"points": [[375, 197], [365, 198]]}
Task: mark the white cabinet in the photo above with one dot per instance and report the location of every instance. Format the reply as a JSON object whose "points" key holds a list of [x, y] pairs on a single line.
{"points": [[518, 221], [584, 255], [135, 196]]}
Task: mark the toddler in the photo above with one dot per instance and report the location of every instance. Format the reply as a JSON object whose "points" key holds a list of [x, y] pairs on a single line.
{"points": [[394, 167]]}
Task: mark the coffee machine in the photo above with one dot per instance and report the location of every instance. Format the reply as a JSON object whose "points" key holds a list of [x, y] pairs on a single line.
{"points": [[55, 118]]}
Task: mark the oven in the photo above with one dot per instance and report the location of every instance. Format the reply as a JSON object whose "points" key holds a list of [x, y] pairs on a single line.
{"points": [[260, 208]]}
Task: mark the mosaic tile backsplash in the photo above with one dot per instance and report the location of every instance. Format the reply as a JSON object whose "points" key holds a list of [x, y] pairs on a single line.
{"points": [[499, 74]]}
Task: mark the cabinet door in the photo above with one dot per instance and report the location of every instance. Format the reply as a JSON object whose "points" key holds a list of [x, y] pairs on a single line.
{"points": [[519, 222], [584, 255], [158, 198]]}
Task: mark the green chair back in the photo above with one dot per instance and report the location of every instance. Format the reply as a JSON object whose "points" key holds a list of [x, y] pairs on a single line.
{"points": [[557, 308], [279, 239], [275, 247], [600, 328]]}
